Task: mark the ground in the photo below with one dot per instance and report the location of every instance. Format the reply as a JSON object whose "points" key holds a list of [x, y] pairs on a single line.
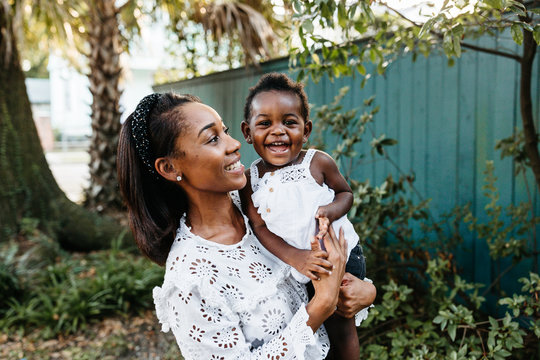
{"points": [[70, 169], [117, 338]]}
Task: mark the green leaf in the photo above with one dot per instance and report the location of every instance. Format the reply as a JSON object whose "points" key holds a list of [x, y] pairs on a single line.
{"points": [[361, 69], [342, 15], [517, 34], [426, 28], [536, 34], [316, 59], [497, 4], [452, 328], [457, 46], [297, 7], [372, 55], [448, 44], [308, 26]]}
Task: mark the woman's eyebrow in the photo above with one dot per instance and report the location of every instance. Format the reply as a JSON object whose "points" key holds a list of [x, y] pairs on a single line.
{"points": [[208, 126]]}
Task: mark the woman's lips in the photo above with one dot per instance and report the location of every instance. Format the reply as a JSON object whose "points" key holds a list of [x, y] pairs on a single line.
{"points": [[235, 167]]}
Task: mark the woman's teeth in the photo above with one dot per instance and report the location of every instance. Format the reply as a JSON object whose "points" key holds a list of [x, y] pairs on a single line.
{"points": [[234, 166]]}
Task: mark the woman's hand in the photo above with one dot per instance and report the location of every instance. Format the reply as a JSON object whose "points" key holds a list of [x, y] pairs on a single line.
{"points": [[355, 295], [323, 303]]}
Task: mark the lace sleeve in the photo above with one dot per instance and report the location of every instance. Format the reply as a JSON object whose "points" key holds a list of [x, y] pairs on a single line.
{"points": [[364, 313], [206, 330]]}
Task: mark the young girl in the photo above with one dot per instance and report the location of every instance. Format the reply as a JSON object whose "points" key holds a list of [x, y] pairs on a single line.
{"points": [[291, 192]]}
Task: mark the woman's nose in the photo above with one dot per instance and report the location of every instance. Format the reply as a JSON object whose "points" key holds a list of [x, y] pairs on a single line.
{"points": [[233, 145]]}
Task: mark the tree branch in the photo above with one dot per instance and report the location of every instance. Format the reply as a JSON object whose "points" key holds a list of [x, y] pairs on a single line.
{"points": [[490, 51], [463, 44]]}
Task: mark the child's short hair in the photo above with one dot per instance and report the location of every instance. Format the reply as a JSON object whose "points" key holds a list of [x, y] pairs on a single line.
{"points": [[277, 82]]}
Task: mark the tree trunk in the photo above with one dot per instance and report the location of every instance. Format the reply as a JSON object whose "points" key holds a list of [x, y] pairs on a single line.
{"points": [[105, 70], [525, 101], [27, 186]]}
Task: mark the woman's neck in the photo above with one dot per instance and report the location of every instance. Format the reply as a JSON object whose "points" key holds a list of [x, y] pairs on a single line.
{"points": [[215, 218]]}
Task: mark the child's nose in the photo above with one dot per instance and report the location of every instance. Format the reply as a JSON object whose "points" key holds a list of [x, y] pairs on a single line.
{"points": [[278, 130]]}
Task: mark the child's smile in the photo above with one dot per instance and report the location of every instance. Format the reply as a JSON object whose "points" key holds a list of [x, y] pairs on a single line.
{"points": [[276, 128]]}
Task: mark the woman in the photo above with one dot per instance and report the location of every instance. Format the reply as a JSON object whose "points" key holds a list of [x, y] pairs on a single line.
{"points": [[224, 296]]}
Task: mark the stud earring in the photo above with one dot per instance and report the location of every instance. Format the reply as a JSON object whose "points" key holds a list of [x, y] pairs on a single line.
{"points": [[178, 178]]}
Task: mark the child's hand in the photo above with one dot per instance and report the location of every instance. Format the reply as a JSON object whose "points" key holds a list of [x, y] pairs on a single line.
{"points": [[324, 222], [313, 263]]}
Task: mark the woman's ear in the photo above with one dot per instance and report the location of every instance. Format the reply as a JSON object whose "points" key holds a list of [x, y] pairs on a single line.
{"points": [[166, 169], [308, 126], [246, 131]]}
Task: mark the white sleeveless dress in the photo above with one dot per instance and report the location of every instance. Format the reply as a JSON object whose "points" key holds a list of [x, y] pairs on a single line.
{"points": [[287, 200]]}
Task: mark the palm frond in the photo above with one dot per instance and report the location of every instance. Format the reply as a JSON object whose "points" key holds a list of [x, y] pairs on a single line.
{"points": [[240, 21]]}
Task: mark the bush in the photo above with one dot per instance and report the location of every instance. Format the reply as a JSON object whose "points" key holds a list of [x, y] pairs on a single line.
{"points": [[64, 292], [428, 311]]}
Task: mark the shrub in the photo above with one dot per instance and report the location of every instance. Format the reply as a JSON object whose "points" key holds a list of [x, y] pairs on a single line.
{"points": [[63, 295], [427, 310]]}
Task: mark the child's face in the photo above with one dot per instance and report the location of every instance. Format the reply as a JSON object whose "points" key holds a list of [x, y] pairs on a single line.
{"points": [[276, 129]]}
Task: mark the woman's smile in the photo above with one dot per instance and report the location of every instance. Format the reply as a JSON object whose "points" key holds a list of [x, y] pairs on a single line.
{"points": [[235, 167]]}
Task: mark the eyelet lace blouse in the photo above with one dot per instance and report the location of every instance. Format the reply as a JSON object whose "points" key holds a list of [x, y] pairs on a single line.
{"points": [[234, 302]]}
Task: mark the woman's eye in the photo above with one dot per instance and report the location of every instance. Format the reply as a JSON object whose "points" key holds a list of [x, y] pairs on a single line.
{"points": [[226, 130], [214, 139]]}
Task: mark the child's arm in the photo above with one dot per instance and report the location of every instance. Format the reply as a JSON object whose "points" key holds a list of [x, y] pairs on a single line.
{"points": [[325, 170], [310, 263]]}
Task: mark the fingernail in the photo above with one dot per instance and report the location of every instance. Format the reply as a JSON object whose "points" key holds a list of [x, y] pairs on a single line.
{"points": [[329, 273]]}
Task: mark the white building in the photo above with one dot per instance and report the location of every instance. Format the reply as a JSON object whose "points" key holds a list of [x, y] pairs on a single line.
{"points": [[71, 99]]}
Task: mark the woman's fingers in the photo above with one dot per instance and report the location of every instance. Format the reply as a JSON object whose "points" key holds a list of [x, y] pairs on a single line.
{"points": [[323, 262], [319, 270], [342, 241]]}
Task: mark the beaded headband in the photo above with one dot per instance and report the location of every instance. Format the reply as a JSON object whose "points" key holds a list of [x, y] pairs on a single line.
{"points": [[139, 130]]}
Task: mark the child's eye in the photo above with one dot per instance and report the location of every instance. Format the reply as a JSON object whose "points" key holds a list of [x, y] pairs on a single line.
{"points": [[263, 123], [290, 122]]}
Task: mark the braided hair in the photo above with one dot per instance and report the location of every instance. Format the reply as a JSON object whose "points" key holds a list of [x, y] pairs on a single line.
{"points": [[154, 204]]}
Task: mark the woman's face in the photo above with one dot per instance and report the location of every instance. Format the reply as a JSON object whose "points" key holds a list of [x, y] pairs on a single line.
{"points": [[210, 159]]}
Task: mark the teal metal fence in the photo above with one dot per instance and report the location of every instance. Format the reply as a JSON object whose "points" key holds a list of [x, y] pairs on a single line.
{"points": [[447, 121]]}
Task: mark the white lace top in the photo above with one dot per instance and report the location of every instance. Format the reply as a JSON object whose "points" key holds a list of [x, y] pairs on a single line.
{"points": [[287, 200], [234, 302]]}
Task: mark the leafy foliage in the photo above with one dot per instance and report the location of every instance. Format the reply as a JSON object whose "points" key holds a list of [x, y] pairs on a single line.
{"points": [[338, 38], [427, 309], [62, 292]]}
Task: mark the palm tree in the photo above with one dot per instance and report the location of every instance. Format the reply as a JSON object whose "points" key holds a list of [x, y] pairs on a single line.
{"points": [[28, 188], [104, 40], [236, 19]]}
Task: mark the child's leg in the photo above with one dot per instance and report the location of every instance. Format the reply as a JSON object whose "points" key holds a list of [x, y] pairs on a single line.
{"points": [[344, 344]]}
